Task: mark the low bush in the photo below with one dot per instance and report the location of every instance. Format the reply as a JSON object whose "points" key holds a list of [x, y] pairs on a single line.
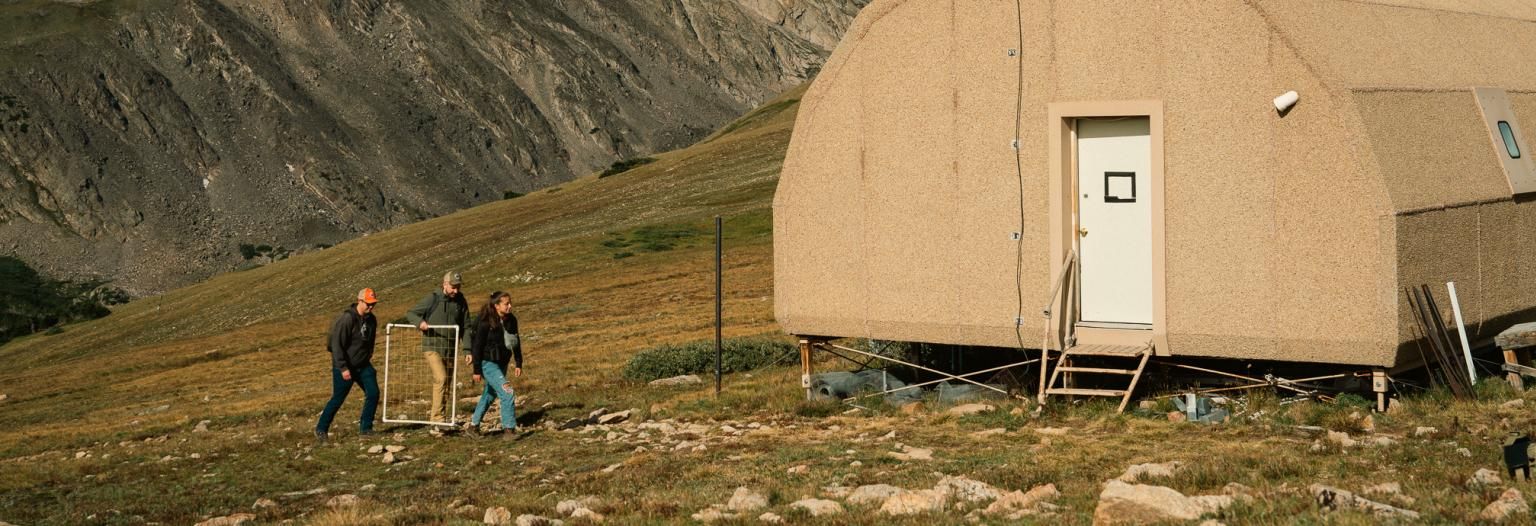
{"points": [[625, 166], [737, 355]]}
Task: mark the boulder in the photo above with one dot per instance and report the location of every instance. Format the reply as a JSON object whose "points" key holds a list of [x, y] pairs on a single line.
{"points": [[1013, 506], [389, 458], [1342, 439], [970, 409], [818, 507], [202, 427], [375, 450], [770, 518], [613, 418], [1141, 471], [1485, 477], [498, 516], [1510, 504], [569, 506], [536, 520], [964, 489], [586, 514], [394, 448], [746, 500], [238, 519], [873, 494], [915, 502], [912, 453], [713, 514], [687, 379], [1122, 503], [342, 501], [1424, 431], [1334, 498]]}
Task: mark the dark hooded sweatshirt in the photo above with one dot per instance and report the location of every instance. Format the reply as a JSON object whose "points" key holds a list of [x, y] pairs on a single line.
{"points": [[351, 342], [490, 344]]}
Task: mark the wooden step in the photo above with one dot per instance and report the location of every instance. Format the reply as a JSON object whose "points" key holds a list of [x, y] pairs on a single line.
{"points": [[1083, 392], [1121, 351], [1097, 370]]}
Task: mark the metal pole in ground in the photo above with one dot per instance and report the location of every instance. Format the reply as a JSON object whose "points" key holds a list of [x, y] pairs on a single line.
{"points": [[719, 311]]}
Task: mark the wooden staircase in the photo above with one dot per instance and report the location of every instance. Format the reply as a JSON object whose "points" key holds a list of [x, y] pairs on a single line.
{"points": [[1126, 353]]}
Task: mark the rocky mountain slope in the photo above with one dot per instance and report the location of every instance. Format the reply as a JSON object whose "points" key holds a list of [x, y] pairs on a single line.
{"points": [[145, 141]]}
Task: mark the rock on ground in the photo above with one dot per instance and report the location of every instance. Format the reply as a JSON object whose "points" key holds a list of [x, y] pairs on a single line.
{"points": [[342, 501], [238, 519], [1485, 477], [1510, 504], [1334, 498], [569, 506], [1141, 471], [498, 516], [614, 418], [1342, 439], [536, 520], [873, 494], [586, 514], [394, 448], [262, 504], [1122, 503], [970, 409], [1018, 503], [912, 453], [770, 518], [818, 507], [915, 502], [713, 514], [798, 470], [746, 500], [687, 379], [961, 488]]}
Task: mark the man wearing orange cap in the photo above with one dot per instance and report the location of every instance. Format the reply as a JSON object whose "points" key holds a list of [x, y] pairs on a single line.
{"points": [[351, 346]]}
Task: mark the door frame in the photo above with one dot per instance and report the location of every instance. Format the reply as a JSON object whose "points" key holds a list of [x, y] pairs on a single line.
{"points": [[1062, 150]]}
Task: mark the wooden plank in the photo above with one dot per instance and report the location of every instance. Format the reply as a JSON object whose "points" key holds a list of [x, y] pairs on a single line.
{"points": [[1097, 370], [1124, 351], [1517, 337], [1084, 392]]}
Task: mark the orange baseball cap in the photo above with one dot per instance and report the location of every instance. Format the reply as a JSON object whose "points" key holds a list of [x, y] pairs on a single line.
{"points": [[366, 296]]}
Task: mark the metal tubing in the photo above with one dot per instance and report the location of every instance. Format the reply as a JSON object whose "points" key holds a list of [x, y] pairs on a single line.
{"points": [[931, 382], [1238, 376], [935, 371]]}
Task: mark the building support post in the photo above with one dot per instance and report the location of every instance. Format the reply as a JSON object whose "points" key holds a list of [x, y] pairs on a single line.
{"points": [[1379, 385], [805, 366]]}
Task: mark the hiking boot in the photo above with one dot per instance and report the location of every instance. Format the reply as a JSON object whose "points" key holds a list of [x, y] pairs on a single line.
{"points": [[510, 434], [321, 437], [472, 430], [435, 431], [365, 433]]}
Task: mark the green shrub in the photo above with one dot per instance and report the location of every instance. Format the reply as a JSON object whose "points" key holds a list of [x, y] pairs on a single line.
{"points": [[625, 166], [737, 355]]}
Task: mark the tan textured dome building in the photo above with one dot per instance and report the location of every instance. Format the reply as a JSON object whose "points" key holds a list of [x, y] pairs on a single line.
{"points": [[1150, 151]]}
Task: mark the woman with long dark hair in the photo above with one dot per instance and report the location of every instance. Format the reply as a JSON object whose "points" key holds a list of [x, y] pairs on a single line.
{"points": [[494, 329]]}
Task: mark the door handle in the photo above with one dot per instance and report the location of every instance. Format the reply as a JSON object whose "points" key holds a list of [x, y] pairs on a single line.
{"points": [[1082, 232]]}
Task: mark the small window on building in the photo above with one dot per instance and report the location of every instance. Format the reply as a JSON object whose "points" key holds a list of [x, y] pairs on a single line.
{"points": [[1510, 145]]}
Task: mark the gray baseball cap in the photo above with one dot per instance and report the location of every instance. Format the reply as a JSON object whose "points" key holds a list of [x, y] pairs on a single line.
{"points": [[453, 278]]}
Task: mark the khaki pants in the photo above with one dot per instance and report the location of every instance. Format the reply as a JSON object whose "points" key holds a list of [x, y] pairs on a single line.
{"points": [[441, 367]]}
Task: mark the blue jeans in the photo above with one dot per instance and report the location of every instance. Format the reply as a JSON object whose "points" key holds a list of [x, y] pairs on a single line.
{"points": [[368, 378], [493, 390]]}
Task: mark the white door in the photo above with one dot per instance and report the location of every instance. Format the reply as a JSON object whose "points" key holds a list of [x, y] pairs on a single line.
{"points": [[1114, 183]]}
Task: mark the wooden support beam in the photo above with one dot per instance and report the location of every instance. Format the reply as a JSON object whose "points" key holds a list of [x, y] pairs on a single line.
{"points": [[1379, 384]]}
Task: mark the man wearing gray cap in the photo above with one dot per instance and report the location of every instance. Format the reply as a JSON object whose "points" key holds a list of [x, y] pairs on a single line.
{"points": [[441, 307]]}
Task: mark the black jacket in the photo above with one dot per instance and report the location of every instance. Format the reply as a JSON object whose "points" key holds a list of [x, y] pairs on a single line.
{"points": [[490, 344], [351, 342]]}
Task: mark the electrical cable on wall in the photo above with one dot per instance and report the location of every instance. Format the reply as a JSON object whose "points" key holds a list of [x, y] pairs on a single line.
{"points": [[1018, 165]]}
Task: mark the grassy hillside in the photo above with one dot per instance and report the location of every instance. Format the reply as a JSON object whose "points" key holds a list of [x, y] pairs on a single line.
{"points": [[100, 422]]}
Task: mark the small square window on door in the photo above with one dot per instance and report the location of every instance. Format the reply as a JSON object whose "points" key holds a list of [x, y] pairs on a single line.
{"points": [[1119, 187]]}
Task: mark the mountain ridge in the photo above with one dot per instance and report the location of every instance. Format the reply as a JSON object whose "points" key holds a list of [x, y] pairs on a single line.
{"points": [[145, 141]]}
